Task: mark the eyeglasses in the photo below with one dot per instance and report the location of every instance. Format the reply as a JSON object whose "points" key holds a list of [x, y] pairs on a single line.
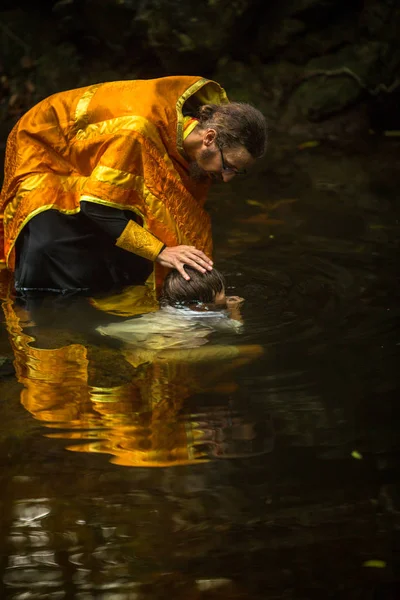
{"points": [[227, 169]]}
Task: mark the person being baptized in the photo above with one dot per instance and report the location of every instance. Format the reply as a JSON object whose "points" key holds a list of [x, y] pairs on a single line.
{"points": [[190, 310]]}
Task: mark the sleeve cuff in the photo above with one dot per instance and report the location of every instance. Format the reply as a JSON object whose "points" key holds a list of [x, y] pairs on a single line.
{"points": [[136, 239]]}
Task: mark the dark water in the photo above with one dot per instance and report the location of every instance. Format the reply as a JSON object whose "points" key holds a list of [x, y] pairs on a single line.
{"points": [[264, 465]]}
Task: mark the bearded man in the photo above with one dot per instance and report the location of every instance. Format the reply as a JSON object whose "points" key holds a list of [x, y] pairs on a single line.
{"points": [[105, 185]]}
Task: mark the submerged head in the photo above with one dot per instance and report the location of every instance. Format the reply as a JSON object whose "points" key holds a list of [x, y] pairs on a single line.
{"points": [[203, 288], [227, 140]]}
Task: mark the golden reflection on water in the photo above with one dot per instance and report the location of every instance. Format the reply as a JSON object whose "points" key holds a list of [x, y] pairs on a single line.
{"points": [[142, 422]]}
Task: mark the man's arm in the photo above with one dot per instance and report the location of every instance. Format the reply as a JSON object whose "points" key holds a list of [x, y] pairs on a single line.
{"points": [[130, 236], [136, 239]]}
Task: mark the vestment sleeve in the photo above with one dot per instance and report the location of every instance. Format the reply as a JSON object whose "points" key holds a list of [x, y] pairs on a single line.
{"points": [[127, 234], [119, 181], [110, 220], [135, 238], [132, 173]]}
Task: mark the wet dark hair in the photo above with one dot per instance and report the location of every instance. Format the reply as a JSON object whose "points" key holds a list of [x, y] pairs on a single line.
{"points": [[236, 124], [201, 287]]}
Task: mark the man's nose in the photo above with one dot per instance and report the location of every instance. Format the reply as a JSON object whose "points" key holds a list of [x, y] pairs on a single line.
{"points": [[227, 176]]}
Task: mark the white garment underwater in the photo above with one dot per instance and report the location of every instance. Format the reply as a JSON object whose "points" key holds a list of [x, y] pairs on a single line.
{"points": [[171, 327]]}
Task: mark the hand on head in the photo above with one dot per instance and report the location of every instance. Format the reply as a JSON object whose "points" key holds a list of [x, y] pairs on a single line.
{"points": [[175, 257]]}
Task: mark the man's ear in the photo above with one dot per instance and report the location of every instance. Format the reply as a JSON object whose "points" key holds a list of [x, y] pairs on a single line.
{"points": [[209, 137]]}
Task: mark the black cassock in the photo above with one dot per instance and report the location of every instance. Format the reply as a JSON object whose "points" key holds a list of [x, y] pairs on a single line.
{"points": [[64, 253]]}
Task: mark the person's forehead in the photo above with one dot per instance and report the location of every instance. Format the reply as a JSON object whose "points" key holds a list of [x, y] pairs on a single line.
{"points": [[239, 153]]}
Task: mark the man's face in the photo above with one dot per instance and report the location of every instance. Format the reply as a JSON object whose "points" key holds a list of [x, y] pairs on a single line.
{"points": [[212, 163]]}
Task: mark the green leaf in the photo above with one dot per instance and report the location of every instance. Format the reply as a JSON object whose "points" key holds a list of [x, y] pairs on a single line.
{"points": [[309, 144], [376, 564], [255, 203], [357, 455]]}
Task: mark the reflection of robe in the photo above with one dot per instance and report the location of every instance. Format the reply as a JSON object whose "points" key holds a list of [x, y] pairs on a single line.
{"points": [[160, 434]]}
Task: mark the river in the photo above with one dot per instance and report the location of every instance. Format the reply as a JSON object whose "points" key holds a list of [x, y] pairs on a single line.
{"points": [[262, 465]]}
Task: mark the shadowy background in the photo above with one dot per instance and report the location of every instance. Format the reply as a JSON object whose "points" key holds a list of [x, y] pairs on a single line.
{"points": [[322, 68]]}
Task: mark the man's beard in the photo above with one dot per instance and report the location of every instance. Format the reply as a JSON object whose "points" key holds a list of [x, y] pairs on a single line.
{"points": [[198, 174]]}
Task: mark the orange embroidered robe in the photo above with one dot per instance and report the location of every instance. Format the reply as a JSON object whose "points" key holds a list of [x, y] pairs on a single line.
{"points": [[118, 144]]}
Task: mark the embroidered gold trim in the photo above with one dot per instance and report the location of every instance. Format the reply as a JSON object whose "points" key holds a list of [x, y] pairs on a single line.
{"points": [[189, 123], [81, 115], [212, 96], [136, 239], [122, 179]]}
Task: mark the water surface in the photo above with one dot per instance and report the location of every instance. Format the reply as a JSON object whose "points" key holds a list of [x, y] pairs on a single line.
{"points": [[263, 465]]}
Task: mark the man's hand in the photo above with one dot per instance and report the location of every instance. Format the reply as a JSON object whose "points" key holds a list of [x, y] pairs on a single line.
{"points": [[176, 257]]}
